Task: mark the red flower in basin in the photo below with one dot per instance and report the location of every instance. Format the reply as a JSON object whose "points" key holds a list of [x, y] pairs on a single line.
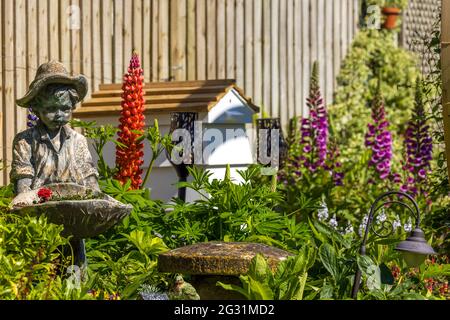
{"points": [[44, 194]]}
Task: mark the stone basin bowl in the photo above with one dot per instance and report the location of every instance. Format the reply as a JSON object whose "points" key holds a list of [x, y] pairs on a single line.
{"points": [[80, 218]]}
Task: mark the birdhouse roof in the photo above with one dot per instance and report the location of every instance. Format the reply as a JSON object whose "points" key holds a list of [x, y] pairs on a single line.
{"points": [[164, 97]]}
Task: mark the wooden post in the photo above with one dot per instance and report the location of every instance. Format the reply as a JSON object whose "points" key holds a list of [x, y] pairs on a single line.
{"points": [[445, 57]]}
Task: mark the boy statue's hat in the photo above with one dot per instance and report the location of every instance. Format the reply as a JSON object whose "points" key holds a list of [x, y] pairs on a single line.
{"points": [[53, 72]]}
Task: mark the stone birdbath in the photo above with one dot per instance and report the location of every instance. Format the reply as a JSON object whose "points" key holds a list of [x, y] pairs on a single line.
{"points": [[52, 169], [210, 262], [83, 212]]}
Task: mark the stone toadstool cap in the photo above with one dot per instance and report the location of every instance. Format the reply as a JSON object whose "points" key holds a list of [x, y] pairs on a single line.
{"points": [[53, 72]]}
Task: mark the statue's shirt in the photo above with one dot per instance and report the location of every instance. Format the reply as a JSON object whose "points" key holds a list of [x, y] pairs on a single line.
{"points": [[35, 157]]}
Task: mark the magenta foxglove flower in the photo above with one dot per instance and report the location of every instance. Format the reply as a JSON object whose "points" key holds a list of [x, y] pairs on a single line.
{"points": [[418, 146], [312, 150], [317, 154], [379, 139]]}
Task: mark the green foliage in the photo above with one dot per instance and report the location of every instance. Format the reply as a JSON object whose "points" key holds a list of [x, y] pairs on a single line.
{"points": [[125, 257], [104, 134], [158, 144], [128, 271], [286, 283], [101, 136], [32, 261], [123, 260], [6, 196], [372, 52], [401, 4], [228, 211]]}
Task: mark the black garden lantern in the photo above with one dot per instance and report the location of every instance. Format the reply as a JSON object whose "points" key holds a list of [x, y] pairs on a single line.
{"points": [[414, 249], [186, 121]]}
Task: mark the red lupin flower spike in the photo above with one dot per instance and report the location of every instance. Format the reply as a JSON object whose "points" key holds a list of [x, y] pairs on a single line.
{"points": [[129, 157]]}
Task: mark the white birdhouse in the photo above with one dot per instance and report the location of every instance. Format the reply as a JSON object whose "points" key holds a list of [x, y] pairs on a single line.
{"points": [[225, 116]]}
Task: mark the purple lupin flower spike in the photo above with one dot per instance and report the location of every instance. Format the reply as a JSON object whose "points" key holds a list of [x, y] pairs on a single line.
{"points": [[418, 146], [379, 139]]}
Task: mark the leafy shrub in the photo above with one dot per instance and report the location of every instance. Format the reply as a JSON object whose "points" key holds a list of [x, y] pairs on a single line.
{"points": [[32, 263], [372, 52], [286, 283], [228, 211]]}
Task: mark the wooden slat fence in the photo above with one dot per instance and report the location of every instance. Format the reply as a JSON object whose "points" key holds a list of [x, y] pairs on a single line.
{"points": [[268, 46]]}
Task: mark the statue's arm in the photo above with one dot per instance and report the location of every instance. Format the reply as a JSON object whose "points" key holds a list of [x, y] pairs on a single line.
{"points": [[22, 170], [89, 170]]}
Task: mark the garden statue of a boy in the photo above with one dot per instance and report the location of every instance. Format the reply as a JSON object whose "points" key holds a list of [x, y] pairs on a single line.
{"points": [[52, 152]]}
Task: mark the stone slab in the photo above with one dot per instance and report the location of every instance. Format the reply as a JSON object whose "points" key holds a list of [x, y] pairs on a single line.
{"points": [[218, 258]]}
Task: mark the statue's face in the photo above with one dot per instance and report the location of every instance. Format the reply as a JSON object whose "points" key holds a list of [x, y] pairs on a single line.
{"points": [[56, 111]]}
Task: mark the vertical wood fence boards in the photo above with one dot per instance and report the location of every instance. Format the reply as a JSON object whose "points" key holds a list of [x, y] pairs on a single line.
{"points": [[266, 45], [445, 58]]}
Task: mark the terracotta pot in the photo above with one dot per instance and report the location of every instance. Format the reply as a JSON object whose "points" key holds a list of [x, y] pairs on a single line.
{"points": [[391, 14]]}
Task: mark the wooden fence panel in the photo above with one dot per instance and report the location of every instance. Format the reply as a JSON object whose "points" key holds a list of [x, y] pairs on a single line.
{"points": [[86, 41], [20, 63], [106, 38], [266, 45], [191, 59], [240, 40], [137, 25], [290, 46], [32, 37], [9, 111], [146, 39], [230, 39], [298, 73], [306, 52], [211, 36], [54, 12], [221, 39], [164, 41], [178, 39], [155, 41], [274, 63], [258, 51], [267, 71], [445, 56], [327, 65], [75, 36], [64, 32], [283, 62], [248, 47]]}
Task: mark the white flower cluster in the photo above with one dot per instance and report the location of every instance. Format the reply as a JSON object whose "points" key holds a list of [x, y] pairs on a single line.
{"points": [[322, 213], [408, 226], [397, 224], [382, 216], [333, 222], [349, 228], [362, 226]]}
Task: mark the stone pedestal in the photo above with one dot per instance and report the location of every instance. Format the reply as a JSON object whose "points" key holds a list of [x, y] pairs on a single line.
{"points": [[210, 262]]}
